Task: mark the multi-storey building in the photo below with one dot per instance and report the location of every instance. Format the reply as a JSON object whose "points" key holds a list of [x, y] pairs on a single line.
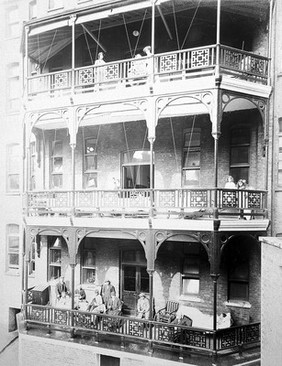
{"points": [[126, 157]]}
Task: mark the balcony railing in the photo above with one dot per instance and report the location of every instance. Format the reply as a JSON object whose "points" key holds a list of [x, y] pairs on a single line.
{"points": [[138, 202], [154, 333], [165, 67]]}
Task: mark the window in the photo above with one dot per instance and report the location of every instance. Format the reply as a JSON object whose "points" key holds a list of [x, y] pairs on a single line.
{"points": [[90, 163], [88, 262], [54, 258], [32, 9], [32, 257], [191, 157], [238, 280], [13, 168], [55, 4], [239, 153], [32, 165], [57, 165], [136, 169], [280, 153], [13, 24], [13, 87], [13, 247], [191, 270]]}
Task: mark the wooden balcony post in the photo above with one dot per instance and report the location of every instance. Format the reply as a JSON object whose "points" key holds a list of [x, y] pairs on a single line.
{"points": [[72, 24], [73, 146]]}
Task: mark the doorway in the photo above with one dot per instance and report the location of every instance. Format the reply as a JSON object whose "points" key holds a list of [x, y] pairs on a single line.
{"points": [[135, 279]]}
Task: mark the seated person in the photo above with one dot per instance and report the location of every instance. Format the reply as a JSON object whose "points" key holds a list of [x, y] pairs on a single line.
{"points": [[82, 294], [143, 307], [64, 301], [61, 288], [114, 305], [96, 305]]}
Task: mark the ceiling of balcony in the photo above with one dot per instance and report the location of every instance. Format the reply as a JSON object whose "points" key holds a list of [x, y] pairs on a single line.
{"points": [[48, 38]]}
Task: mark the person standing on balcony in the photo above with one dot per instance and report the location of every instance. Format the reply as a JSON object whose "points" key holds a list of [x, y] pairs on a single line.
{"points": [[106, 292], [99, 70], [143, 307], [242, 184], [61, 288], [230, 182]]}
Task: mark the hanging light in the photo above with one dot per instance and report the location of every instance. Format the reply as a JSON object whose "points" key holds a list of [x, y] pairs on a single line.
{"points": [[58, 243], [135, 33]]}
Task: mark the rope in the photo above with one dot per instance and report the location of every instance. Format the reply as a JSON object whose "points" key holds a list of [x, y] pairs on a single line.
{"points": [[174, 145], [188, 30], [50, 49], [127, 35], [99, 30], [87, 43], [189, 145], [140, 31], [175, 24]]}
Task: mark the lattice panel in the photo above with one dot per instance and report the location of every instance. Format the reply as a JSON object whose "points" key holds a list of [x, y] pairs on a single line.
{"points": [[167, 199], [60, 80], [200, 58], [37, 314], [110, 199], [85, 321], [252, 333], [198, 199], [254, 200], [112, 72], [194, 338], [165, 333], [61, 200], [60, 317], [168, 63], [229, 199], [85, 199], [228, 339], [86, 76], [257, 66], [135, 328], [232, 59]]}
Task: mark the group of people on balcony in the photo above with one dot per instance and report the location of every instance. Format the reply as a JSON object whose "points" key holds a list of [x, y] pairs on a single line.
{"points": [[241, 184]]}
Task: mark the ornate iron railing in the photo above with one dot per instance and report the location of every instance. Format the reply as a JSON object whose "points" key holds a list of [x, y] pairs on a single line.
{"points": [[138, 202], [150, 331], [163, 67]]}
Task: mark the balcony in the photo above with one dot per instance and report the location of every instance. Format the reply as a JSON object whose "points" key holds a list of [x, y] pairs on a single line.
{"points": [[152, 334], [170, 68], [140, 203]]}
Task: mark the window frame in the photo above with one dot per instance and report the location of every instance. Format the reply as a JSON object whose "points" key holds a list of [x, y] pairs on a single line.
{"points": [[233, 280], [89, 174], [188, 148], [32, 9], [13, 77], [12, 169], [54, 267], [191, 253], [9, 235], [87, 247], [10, 32], [53, 172], [234, 145], [55, 6]]}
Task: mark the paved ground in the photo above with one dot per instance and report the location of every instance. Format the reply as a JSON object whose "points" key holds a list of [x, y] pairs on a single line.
{"points": [[9, 356]]}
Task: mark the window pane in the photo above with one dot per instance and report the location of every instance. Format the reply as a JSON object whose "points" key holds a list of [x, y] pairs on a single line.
{"points": [[130, 278], [55, 256], [191, 265], [13, 229], [91, 162], [88, 275], [239, 155], [57, 148], [191, 159], [136, 157], [14, 260], [144, 280], [13, 244], [13, 182], [90, 146], [57, 165], [240, 173], [192, 138], [55, 272], [57, 181], [89, 258], [238, 291], [91, 180], [191, 177], [190, 286], [240, 136]]}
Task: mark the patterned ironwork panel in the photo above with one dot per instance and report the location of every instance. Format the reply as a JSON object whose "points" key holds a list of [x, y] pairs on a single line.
{"points": [[200, 58], [191, 338], [232, 59], [86, 76], [165, 333], [88, 321], [60, 80], [228, 338], [168, 63], [167, 199], [60, 317], [229, 199], [135, 328], [111, 72], [60, 199], [198, 199], [252, 333], [257, 66], [111, 324], [37, 314], [85, 199], [110, 199], [254, 200]]}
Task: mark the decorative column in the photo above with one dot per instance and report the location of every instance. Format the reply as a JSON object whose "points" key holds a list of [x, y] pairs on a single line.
{"points": [[73, 146], [72, 25]]}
